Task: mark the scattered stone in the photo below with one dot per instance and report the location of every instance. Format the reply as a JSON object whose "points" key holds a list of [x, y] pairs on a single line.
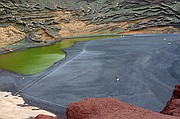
{"points": [[117, 79], [169, 43]]}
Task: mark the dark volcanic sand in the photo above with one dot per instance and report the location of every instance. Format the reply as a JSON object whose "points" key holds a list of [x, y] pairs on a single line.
{"points": [[148, 67]]}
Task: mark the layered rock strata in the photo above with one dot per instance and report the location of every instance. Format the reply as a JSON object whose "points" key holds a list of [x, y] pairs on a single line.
{"points": [[43, 20]]}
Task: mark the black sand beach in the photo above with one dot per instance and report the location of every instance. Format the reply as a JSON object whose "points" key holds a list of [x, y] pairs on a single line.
{"points": [[147, 66]]}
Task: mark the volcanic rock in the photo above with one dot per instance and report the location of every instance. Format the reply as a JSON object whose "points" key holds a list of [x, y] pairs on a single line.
{"points": [[41, 116], [89, 17], [173, 105], [53, 31], [109, 108]]}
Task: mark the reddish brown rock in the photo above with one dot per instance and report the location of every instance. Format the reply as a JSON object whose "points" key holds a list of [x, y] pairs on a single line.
{"points": [[41, 116], [109, 108], [173, 105]]}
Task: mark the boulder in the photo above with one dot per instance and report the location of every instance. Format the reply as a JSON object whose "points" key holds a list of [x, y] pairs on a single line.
{"points": [[2, 11], [34, 37], [173, 105], [109, 108], [41, 116], [53, 31]]}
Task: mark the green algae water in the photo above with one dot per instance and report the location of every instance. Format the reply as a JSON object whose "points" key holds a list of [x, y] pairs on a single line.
{"points": [[35, 60]]}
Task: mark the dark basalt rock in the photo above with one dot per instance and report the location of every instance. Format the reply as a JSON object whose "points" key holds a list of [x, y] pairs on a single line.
{"points": [[29, 17], [34, 37], [53, 31], [15, 1]]}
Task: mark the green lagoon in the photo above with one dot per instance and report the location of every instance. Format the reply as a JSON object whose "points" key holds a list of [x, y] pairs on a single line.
{"points": [[35, 60]]}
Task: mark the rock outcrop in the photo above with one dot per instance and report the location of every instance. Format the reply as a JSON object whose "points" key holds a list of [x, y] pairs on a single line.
{"points": [[43, 20], [109, 108], [173, 105], [30, 19]]}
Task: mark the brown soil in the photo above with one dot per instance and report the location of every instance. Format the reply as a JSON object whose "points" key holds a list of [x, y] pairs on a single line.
{"points": [[71, 26], [10, 35]]}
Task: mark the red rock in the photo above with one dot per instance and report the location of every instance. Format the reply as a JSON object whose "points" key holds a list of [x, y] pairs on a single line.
{"points": [[41, 116], [109, 108], [173, 105]]}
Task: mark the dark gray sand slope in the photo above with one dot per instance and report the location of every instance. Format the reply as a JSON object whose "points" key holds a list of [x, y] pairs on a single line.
{"points": [[148, 67]]}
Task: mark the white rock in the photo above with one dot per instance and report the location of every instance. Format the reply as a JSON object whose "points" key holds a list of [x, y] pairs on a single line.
{"points": [[169, 43], [117, 79]]}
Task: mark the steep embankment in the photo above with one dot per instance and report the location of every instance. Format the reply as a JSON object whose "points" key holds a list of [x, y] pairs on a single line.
{"points": [[43, 20]]}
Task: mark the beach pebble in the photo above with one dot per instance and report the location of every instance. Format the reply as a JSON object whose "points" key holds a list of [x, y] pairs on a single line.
{"points": [[117, 79]]}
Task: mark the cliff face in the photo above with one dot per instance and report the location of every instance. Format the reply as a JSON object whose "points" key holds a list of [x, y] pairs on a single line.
{"points": [[44, 20], [28, 18]]}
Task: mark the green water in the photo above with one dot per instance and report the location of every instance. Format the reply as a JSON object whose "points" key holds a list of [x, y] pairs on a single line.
{"points": [[34, 60]]}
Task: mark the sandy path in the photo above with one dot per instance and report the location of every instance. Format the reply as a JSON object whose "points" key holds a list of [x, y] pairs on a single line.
{"points": [[9, 108]]}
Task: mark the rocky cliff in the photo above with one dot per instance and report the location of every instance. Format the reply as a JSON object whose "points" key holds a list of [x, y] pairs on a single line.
{"points": [[43, 20]]}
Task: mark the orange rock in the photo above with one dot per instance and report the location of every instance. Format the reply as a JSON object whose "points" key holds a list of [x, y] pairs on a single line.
{"points": [[173, 105], [109, 108], [41, 116]]}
